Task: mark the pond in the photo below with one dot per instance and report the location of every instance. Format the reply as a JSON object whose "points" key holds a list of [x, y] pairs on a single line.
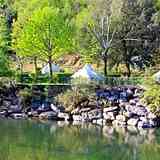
{"points": [[34, 140]]}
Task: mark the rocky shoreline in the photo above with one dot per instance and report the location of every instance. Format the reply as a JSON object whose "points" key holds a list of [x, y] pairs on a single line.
{"points": [[120, 106]]}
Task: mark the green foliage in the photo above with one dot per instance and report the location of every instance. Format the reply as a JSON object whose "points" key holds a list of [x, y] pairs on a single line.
{"points": [[70, 98], [152, 94], [4, 47], [26, 97]]}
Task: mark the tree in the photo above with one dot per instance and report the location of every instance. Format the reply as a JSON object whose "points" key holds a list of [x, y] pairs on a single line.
{"points": [[100, 24], [4, 45], [136, 40], [46, 35]]}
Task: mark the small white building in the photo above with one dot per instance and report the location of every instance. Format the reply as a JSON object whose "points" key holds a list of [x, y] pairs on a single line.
{"points": [[87, 72], [46, 69], [157, 77]]}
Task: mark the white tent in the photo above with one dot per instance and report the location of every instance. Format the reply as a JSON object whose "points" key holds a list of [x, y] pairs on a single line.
{"points": [[88, 73], [46, 69], [157, 77]]}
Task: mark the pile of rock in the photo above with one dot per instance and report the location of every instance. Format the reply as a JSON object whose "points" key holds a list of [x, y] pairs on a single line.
{"points": [[118, 106]]}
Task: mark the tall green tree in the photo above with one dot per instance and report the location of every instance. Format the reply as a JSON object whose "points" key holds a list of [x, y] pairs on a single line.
{"points": [[4, 45], [47, 34]]}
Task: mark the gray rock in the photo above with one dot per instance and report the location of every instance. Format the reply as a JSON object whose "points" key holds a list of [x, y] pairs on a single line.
{"points": [[18, 116], [6, 103], [148, 124], [85, 117], [151, 116], [99, 121], [95, 114], [144, 119], [109, 116], [138, 110], [132, 102], [75, 111], [128, 114], [118, 123], [121, 118], [84, 110], [64, 116], [110, 109], [54, 108], [133, 122], [50, 115], [77, 118]]}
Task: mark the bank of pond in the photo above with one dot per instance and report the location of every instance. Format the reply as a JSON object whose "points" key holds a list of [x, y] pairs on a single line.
{"points": [[118, 106]]}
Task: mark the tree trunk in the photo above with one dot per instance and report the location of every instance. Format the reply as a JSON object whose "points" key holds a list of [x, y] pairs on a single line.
{"points": [[128, 69], [105, 67], [126, 59], [50, 66], [35, 66]]}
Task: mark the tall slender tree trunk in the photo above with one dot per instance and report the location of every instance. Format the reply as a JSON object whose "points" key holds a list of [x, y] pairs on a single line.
{"points": [[105, 67], [50, 66], [35, 66], [126, 59], [128, 69]]}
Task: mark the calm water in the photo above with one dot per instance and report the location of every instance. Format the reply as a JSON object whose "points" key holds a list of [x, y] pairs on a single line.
{"points": [[30, 140]]}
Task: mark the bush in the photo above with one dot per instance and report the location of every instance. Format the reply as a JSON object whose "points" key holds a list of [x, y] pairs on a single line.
{"points": [[152, 94], [62, 77], [26, 97], [70, 98], [24, 78]]}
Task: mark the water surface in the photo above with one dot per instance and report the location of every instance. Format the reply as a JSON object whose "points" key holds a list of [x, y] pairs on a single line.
{"points": [[31, 140]]}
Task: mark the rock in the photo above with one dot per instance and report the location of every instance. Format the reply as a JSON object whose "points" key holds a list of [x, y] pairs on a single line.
{"points": [[143, 119], [118, 123], [100, 121], [6, 103], [137, 110], [148, 124], [133, 122], [128, 114], [122, 104], [18, 116], [75, 111], [85, 117], [95, 114], [110, 109], [34, 114], [54, 108], [109, 116], [77, 118], [129, 93], [64, 116], [152, 116], [132, 102], [84, 110], [3, 113], [121, 118], [50, 115]]}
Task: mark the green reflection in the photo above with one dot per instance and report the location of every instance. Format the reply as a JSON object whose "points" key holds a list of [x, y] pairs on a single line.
{"points": [[30, 140]]}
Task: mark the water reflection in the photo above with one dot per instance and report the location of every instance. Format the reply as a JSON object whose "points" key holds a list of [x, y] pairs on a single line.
{"points": [[34, 140]]}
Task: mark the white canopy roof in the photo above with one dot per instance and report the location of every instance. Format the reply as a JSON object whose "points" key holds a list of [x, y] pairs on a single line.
{"points": [[157, 77], [46, 69], [88, 73]]}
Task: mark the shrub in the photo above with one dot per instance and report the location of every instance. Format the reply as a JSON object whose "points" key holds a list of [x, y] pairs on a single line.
{"points": [[26, 97], [70, 98], [152, 94]]}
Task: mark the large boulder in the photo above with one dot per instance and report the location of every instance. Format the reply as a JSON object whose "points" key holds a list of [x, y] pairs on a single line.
{"points": [[133, 122], [48, 115], [95, 114]]}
